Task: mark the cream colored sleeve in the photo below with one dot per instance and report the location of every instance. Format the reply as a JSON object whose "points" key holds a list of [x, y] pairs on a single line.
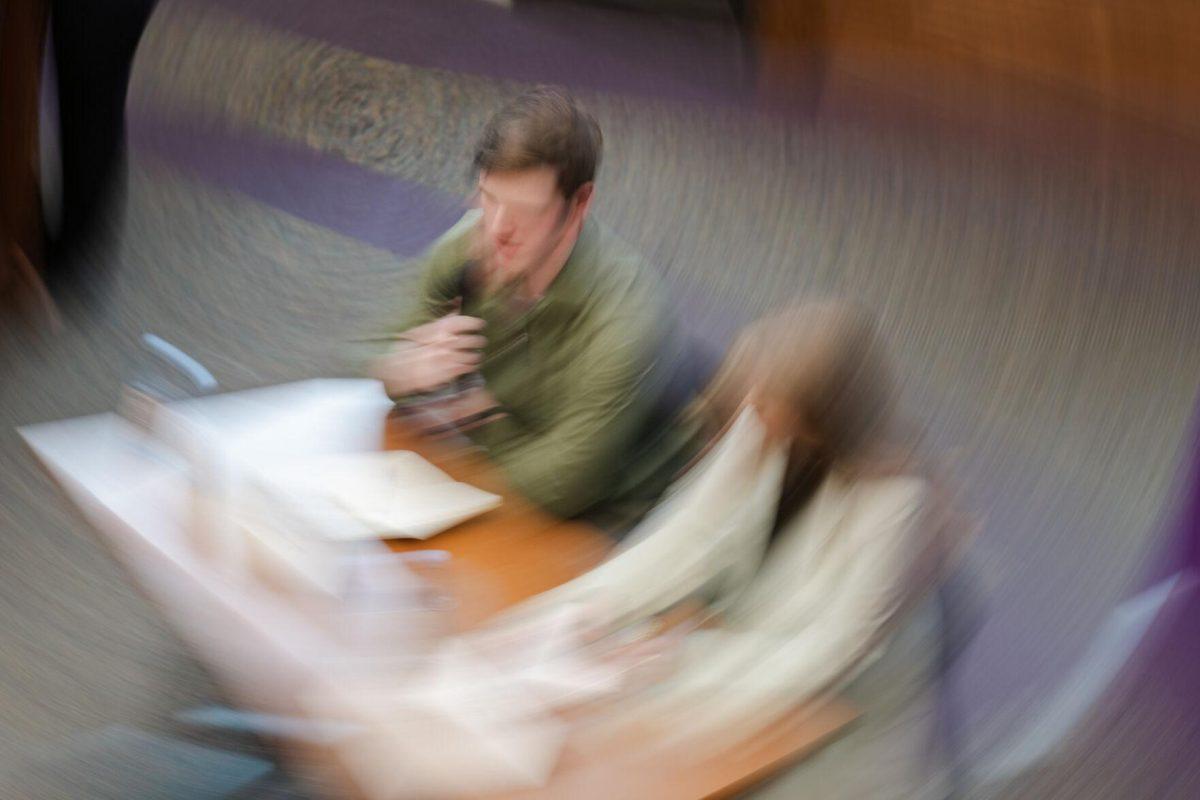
{"points": [[734, 681], [709, 532]]}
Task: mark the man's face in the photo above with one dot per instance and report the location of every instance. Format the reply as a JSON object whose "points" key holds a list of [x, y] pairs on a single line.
{"points": [[524, 219]]}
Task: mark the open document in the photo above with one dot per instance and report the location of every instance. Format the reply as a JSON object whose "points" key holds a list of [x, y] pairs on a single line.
{"points": [[395, 494]]}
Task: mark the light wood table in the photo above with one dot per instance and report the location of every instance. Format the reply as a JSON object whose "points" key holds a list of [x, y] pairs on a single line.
{"points": [[266, 649], [508, 554], [518, 551]]}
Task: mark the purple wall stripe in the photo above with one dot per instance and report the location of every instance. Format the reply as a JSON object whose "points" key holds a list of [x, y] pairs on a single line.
{"points": [[387, 212]]}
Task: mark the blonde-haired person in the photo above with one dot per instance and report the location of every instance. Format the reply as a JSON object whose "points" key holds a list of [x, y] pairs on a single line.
{"points": [[817, 536]]}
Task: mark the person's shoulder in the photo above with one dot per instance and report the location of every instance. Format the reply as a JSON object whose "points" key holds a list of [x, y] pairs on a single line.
{"points": [[464, 226], [456, 243], [623, 284]]}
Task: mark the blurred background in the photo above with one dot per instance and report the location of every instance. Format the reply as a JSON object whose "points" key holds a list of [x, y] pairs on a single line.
{"points": [[1012, 186]]}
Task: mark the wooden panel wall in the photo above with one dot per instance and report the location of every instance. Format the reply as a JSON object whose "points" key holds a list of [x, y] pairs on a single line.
{"points": [[1135, 56]]}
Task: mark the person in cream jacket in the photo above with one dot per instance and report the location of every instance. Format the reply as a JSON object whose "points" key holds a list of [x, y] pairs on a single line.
{"points": [[809, 535]]}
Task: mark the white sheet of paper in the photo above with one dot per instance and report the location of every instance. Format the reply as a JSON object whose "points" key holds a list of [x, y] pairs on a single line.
{"points": [[394, 494]]}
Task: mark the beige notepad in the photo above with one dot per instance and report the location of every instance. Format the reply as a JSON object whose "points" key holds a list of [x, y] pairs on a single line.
{"points": [[393, 494]]}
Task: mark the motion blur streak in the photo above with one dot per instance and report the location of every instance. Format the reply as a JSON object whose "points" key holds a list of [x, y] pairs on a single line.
{"points": [[1011, 187]]}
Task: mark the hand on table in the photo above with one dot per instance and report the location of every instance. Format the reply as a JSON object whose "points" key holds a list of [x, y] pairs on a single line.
{"points": [[539, 628], [659, 722]]}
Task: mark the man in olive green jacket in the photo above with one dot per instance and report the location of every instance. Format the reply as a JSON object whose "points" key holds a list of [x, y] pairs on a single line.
{"points": [[579, 396]]}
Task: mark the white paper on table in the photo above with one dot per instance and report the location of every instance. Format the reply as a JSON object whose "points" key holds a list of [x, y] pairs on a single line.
{"points": [[462, 728], [393, 494]]}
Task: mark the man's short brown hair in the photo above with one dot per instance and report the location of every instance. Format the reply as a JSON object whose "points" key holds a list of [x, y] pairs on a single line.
{"points": [[543, 127]]}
